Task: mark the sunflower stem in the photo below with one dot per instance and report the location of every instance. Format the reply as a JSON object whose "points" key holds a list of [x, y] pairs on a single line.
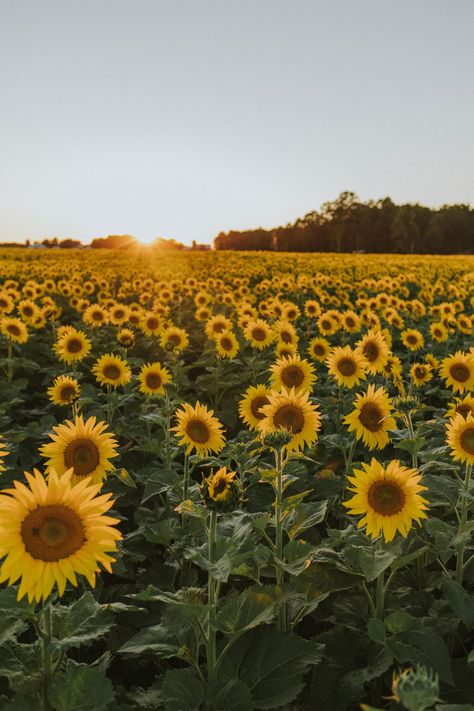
{"points": [[212, 595], [167, 431], [279, 465], [109, 404], [411, 432], [9, 361], [46, 637], [462, 524], [380, 596]]}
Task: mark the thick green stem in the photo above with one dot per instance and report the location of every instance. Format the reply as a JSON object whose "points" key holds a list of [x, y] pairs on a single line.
{"points": [[212, 594], [411, 431], [186, 478], [46, 637], [380, 596], [462, 524], [167, 432], [282, 621], [109, 404], [9, 361]]}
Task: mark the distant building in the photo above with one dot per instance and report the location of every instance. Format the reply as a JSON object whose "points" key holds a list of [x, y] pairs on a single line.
{"points": [[195, 247]]}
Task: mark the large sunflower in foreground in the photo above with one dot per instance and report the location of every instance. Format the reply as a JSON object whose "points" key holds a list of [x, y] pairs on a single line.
{"points": [[372, 418], [292, 411], [293, 372], [50, 531], [112, 370], [255, 397], [152, 378], [460, 438], [458, 372], [84, 447], [387, 497], [375, 351], [198, 429], [346, 366]]}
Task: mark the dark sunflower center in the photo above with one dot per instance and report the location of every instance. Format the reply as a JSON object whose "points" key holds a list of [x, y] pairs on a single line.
{"points": [[459, 372], [198, 431], [67, 392], [51, 533], [319, 349], [258, 334], [286, 337], [74, 345], [463, 410], [226, 344], [3, 303], [285, 353], [256, 404], [175, 339], [350, 322], [112, 372], [134, 319], [467, 440], [97, 316], [82, 455], [420, 372], [438, 332], [27, 311], [290, 417], [371, 417], [13, 329], [119, 314], [153, 323], [412, 339], [153, 381], [371, 351], [385, 498], [347, 366], [220, 486], [292, 376], [219, 327]]}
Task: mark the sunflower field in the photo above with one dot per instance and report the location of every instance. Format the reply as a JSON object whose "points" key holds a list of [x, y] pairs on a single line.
{"points": [[236, 481]]}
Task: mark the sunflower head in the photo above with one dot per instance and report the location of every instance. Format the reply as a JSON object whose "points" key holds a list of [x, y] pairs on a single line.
{"points": [[388, 498], [220, 490], [83, 447], [319, 348], [64, 390], [293, 372], [375, 351], [14, 329], [255, 397], [290, 410], [199, 430], [227, 345], [72, 346], [346, 366], [126, 337], [52, 530], [174, 338], [458, 372], [372, 419], [112, 370], [460, 437], [152, 378]]}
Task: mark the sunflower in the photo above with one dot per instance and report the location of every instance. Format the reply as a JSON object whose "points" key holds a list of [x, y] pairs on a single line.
{"points": [[221, 485], [439, 332], [111, 370], [258, 333], [153, 377], [52, 530], [319, 348], [375, 351], [461, 407], [199, 429], [14, 329], [460, 437], [293, 372], [126, 337], [28, 310], [412, 339], [174, 338], [227, 345], [327, 324], [255, 397], [458, 371], [83, 446], [421, 373], [95, 316], [151, 324], [388, 497], [290, 410], [3, 454], [72, 346], [346, 366], [312, 309], [216, 325], [6, 303], [64, 390], [371, 418], [351, 322], [285, 350], [119, 314]]}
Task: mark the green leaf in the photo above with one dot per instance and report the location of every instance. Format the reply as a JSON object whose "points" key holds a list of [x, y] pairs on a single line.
{"points": [[369, 560], [159, 482], [254, 606], [460, 601], [376, 630], [411, 445], [156, 638], [82, 622], [305, 516], [271, 663], [422, 646], [234, 695], [80, 688], [182, 690]]}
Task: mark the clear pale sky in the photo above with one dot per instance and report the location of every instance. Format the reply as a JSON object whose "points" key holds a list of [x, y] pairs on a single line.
{"points": [[182, 118]]}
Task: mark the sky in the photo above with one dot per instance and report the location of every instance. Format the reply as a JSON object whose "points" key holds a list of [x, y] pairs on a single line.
{"points": [[184, 118]]}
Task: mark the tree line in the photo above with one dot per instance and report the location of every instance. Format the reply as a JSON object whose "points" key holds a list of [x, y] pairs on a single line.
{"points": [[349, 225]]}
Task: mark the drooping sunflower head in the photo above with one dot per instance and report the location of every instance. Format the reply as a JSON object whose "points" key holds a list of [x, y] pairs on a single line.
{"points": [[126, 337], [258, 333], [84, 447], [372, 419], [64, 390], [152, 378], [293, 372], [198, 429], [388, 498], [421, 373], [346, 366], [291, 411], [50, 531], [227, 345], [460, 437], [255, 397], [14, 329], [458, 372], [111, 370], [220, 489], [72, 346], [319, 348], [375, 351]]}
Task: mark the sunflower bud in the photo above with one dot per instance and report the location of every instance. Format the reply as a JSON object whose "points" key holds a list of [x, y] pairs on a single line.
{"points": [[417, 689], [277, 439]]}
